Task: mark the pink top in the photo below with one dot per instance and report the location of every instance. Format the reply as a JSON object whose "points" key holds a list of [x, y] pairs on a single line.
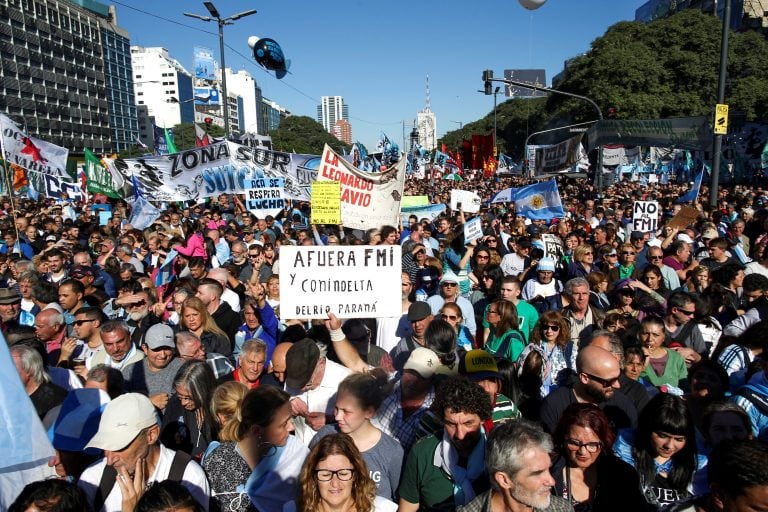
{"points": [[195, 247]]}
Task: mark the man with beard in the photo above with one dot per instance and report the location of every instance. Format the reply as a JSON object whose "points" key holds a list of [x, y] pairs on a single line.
{"points": [[56, 271], [518, 464], [401, 412], [597, 382], [209, 291], [447, 469], [71, 294], [240, 261], [139, 307]]}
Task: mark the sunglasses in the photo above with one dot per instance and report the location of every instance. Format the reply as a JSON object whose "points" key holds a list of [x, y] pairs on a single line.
{"points": [[481, 257], [606, 383], [655, 257], [627, 253], [554, 328], [686, 312], [449, 317], [448, 284], [81, 322]]}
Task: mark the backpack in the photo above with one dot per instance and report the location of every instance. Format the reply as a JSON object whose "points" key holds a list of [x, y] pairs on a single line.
{"points": [[109, 477]]}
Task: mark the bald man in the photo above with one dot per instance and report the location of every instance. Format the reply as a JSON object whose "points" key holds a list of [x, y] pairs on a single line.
{"points": [[597, 382], [635, 391], [276, 375]]}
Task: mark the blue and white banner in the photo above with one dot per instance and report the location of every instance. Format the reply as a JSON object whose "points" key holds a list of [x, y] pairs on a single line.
{"points": [[430, 212], [536, 202]]}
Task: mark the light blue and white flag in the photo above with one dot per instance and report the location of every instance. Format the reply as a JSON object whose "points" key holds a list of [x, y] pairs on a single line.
{"points": [[693, 194], [539, 201], [431, 211], [165, 272]]}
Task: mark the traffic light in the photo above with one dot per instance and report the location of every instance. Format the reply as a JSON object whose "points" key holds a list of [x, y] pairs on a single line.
{"points": [[487, 77]]}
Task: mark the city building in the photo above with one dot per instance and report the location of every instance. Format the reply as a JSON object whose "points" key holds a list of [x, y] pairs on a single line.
{"points": [[164, 87], [272, 113], [243, 84], [342, 130], [66, 73], [745, 14], [426, 125], [330, 110]]}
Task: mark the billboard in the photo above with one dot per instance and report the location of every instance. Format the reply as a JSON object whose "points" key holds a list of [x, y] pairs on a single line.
{"points": [[204, 65], [207, 96], [531, 76]]}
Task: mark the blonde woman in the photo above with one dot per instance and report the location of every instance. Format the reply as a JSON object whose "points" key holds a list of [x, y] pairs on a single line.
{"points": [[196, 319]]}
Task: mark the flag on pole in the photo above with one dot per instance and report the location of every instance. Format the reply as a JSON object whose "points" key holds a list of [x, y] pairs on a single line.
{"points": [[201, 138], [165, 272], [693, 194], [168, 132], [30, 153], [98, 179], [139, 143], [540, 201]]}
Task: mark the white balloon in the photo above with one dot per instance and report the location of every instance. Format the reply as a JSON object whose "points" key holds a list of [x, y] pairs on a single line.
{"points": [[252, 41], [532, 5]]}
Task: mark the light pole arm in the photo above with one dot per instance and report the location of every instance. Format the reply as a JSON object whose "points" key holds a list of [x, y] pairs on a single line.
{"points": [[547, 89]]}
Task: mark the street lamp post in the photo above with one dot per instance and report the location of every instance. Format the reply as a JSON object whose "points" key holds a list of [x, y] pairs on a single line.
{"points": [[717, 145], [488, 78], [221, 22], [495, 93]]}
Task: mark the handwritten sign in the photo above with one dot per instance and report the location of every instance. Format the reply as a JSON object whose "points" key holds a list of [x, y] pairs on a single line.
{"points": [[645, 216], [264, 196], [326, 202], [361, 281], [473, 229], [553, 247]]}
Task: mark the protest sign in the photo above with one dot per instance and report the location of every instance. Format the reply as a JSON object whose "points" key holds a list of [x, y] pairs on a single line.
{"points": [[326, 202], [645, 216], [465, 200], [473, 229], [410, 201], [350, 281], [368, 199], [54, 186], [684, 218], [265, 196], [553, 248]]}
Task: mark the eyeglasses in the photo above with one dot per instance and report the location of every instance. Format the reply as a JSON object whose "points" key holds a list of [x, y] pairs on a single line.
{"points": [[184, 398], [589, 253], [493, 311], [325, 475], [655, 257], [554, 328], [612, 254], [81, 322], [482, 257], [135, 304], [448, 285], [627, 253], [606, 383], [591, 447], [253, 256], [686, 312], [449, 317]]}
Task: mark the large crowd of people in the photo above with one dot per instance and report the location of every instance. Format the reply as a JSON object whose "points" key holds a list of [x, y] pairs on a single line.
{"points": [[550, 365]]}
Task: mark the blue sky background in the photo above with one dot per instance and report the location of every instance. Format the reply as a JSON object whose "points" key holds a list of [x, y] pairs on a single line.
{"points": [[377, 54]]}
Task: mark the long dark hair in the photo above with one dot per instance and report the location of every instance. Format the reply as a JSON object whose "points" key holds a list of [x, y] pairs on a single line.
{"points": [[666, 413], [496, 275]]}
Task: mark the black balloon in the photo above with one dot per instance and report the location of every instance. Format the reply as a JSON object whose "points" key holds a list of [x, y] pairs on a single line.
{"points": [[269, 55]]}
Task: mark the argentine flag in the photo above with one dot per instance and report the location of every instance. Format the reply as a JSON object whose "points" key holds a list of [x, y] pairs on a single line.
{"points": [[540, 201], [693, 194]]}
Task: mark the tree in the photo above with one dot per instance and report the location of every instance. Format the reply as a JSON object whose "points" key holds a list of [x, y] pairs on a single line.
{"points": [[302, 134]]}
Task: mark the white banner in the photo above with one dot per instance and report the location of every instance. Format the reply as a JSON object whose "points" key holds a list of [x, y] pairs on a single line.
{"points": [[465, 201], [350, 281], [368, 199], [645, 216], [558, 157], [220, 168], [265, 197], [473, 230], [54, 186], [30, 153]]}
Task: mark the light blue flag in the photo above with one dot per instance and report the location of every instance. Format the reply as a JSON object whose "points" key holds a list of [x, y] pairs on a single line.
{"points": [[693, 194], [144, 213], [23, 441], [540, 201], [503, 196], [431, 211], [165, 272]]}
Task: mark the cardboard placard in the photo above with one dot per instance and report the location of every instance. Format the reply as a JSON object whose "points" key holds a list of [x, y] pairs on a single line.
{"points": [[645, 216], [473, 230], [684, 218]]}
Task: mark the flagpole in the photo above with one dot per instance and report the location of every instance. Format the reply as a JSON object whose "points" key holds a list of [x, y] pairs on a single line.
{"points": [[9, 183]]}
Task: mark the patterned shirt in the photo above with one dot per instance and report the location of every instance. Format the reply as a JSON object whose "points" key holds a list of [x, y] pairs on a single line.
{"points": [[389, 418]]}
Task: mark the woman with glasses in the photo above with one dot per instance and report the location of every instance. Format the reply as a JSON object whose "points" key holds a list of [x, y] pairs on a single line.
{"points": [[357, 400], [259, 468], [506, 340], [451, 313], [335, 477], [188, 422], [663, 451], [626, 268], [583, 262], [553, 334], [663, 366], [481, 258], [586, 471]]}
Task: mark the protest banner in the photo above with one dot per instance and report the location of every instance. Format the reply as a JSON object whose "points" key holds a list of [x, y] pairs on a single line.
{"points": [[465, 200], [54, 186], [473, 230], [30, 153], [265, 196], [220, 168], [645, 216], [410, 201], [326, 202], [368, 199], [555, 158], [350, 281], [553, 247]]}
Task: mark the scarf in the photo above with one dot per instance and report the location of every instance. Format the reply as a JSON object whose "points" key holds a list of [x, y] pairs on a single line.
{"points": [[447, 458]]}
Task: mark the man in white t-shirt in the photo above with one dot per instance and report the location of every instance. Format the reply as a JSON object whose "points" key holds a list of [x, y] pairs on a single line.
{"points": [[129, 434]]}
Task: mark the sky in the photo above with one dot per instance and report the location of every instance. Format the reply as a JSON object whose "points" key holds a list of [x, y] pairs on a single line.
{"points": [[377, 55]]}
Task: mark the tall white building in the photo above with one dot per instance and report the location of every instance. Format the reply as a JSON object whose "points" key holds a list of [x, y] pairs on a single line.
{"points": [[242, 84], [163, 90], [426, 125], [330, 110]]}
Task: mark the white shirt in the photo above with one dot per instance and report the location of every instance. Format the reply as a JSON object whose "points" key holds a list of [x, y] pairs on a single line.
{"points": [[194, 480]]}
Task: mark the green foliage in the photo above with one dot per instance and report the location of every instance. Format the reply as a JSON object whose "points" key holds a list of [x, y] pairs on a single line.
{"points": [[667, 68], [302, 134]]}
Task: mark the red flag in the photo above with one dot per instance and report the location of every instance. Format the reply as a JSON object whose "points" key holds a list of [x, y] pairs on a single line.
{"points": [[32, 150], [201, 137]]}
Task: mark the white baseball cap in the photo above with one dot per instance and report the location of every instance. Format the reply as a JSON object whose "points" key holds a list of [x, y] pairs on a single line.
{"points": [[122, 420], [423, 361]]}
